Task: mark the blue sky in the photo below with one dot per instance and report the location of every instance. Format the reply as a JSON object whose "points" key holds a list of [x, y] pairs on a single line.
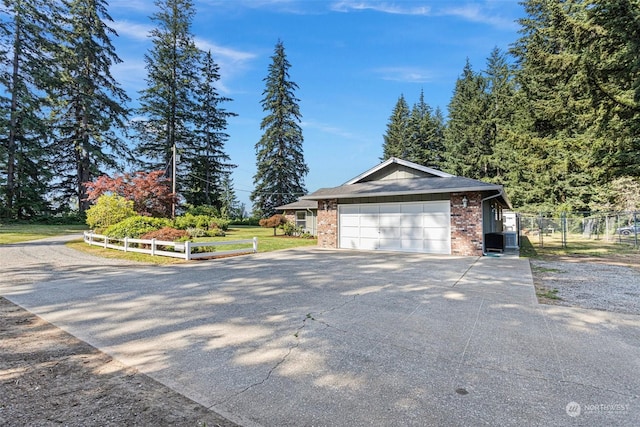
{"points": [[351, 60]]}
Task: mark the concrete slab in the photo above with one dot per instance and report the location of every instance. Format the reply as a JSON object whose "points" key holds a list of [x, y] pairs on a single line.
{"points": [[318, 337]]}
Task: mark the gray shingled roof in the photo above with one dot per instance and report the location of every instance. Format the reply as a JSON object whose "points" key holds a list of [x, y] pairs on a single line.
{"points": [[403, 187], [299, 204]]}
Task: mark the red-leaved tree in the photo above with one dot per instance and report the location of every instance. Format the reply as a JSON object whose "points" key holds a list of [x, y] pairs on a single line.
{"points": [[150, 191]]}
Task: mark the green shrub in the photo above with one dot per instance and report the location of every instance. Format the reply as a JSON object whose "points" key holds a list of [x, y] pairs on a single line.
{"points": [[246, 221], [216, 232], [291, 229], [196, 232], [206, 210], [192, 221], [136, 226], [109, 210], [219, 223], [204, 222]]}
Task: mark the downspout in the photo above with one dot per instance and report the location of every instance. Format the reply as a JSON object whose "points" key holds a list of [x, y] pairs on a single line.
{"points": [[500, 193]]}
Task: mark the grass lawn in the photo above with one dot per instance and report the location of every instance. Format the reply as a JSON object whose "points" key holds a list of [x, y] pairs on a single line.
{"points": [[577, 246], [267, 242], [16, 233]]}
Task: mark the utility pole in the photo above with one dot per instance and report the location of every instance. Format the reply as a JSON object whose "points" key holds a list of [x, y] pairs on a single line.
{"points": [[173, 179]]}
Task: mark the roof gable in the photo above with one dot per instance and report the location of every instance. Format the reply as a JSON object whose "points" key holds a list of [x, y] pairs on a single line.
{"points": [[394, 169]]}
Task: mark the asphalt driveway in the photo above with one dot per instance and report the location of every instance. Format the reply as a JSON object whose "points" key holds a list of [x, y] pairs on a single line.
{"points": [[317, 337]]}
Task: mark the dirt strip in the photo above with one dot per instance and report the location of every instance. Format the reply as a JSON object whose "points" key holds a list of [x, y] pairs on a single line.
{"points": [[48, 377]]}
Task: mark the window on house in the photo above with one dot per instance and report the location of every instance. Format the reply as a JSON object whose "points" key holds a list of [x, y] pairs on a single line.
{"points": [[301, 219]]}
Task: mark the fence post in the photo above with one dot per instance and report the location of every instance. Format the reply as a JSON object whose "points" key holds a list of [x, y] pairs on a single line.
{"points": [[255, 245], [540, 230], [187, 250], [153, 247], [635, 228], [126, 243], [563, 221], [106, 241]]}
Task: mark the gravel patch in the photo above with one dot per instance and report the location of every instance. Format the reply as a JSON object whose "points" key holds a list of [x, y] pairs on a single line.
{"points": [[589, 285]]}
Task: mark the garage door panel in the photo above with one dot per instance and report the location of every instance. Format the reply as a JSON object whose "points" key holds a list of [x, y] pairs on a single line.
{"points": [[414, 208], [369, 232], [390, 244], [349, 210], [436, 246], [390, 232], [350, 232], [369, 209], [412, 233], [368, 244], [411, 221], [413, 245], [389, 220], [349, 220], [435, 220], [435, 234], [368, 220], [384, 209], [440, 206], [349, 243]]}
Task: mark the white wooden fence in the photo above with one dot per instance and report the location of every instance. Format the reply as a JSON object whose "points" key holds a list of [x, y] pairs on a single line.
{"points": [[180, 249]]}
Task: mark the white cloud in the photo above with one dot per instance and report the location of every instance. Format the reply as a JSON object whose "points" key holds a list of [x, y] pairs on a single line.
{"points": [[332, 130], [405, 74], [391, 8], [475, 12], [486, 12], [132, 30], [229, 54]]}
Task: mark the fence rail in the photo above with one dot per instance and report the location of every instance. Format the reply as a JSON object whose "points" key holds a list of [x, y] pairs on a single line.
{"points": [[186, 250]]}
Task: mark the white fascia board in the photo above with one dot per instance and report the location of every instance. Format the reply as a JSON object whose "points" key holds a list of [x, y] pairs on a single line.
{"points": [[400, 162]]}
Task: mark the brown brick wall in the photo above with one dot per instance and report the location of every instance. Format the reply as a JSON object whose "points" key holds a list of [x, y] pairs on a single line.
{"points": [[466, 225], [328, 224], [290, 216]]}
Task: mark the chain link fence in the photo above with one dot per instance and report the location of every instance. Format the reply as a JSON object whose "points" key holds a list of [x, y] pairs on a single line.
{"points": [[546, 230]]}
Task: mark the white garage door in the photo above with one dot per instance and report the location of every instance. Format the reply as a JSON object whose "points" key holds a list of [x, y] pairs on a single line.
{"points": [[409, 227]]}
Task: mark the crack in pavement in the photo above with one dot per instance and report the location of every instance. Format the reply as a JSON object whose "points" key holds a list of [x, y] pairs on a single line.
{"points": [[308, 316]]}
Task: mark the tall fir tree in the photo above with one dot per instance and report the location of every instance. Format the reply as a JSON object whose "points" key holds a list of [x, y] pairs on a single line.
{"points": [[426, 143], [89, 110], [168, 101], [500, 90], [468, 149], [206, 159], [396, 141], [29, 31], [558, 144], [281, 168], [230, 206]]}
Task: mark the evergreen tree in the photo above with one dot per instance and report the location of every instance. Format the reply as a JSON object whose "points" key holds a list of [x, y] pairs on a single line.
{"points": [[206, 159], [500, 90], [396, 140], [468, 149], [426, 144], [560, 136], [438, 149], [167, 103], [229, 205], [279, 153], [28, 40], [88, 103]]}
